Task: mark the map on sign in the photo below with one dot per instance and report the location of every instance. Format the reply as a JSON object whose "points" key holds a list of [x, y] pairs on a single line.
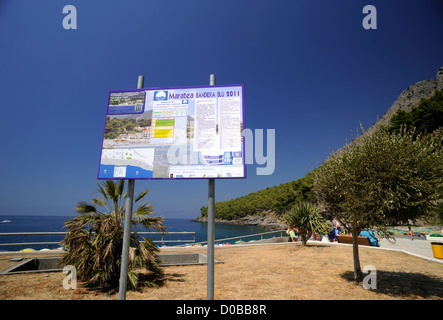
{"points": [[173, 133]]}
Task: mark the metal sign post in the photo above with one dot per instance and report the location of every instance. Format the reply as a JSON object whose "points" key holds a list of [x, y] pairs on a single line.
{"points": [[127, 228], [211, 227]]}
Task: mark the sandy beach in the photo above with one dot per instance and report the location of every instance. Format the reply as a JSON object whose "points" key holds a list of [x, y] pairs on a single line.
{"points": [[271, 272]]}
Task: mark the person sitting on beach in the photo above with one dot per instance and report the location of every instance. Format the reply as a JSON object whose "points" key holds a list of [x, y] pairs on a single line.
{"points": [[337, 226], [331, 235], [292, 236]]}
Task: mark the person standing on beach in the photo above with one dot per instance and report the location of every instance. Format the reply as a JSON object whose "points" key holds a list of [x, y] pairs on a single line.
{"points": [[410, 233]]}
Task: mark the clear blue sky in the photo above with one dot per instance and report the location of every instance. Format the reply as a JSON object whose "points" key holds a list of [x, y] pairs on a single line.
{"points": [[310, 71]]}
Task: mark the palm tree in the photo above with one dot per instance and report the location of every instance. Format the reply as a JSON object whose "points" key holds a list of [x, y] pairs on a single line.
{"points": [[94, 240], [306, 218]]}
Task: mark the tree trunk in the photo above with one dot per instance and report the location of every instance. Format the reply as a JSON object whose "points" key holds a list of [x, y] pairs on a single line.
{"points": [[304, 235], [304, 239], [358, 276]]}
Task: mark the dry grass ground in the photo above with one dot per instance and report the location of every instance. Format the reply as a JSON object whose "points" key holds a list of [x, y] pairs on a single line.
{"points": [[283, 271]]}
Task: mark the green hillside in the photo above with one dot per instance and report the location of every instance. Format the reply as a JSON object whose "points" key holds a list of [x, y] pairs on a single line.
{"points": [[277, 199]]}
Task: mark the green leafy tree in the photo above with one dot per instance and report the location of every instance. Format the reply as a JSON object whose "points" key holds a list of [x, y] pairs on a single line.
{"points": [[129, 126], [143, 122], [306, 218], [115, 126], [384, 179], [110, 135], [95, 239], [439, 213]]}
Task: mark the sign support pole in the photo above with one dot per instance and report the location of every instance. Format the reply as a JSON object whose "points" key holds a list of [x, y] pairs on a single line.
{"points": [[127, 228], [211, 227]]}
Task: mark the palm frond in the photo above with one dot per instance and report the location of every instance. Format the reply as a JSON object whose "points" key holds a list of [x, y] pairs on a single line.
{"points": [[110, 187], [132, 279], [155, 223], [120, 188], [99, 201], [144, 210], [102, 191], [84, 207], [141, 195]]}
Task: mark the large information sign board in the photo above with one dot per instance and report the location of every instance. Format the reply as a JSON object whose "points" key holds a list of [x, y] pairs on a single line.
{"points": [[174, 133]]}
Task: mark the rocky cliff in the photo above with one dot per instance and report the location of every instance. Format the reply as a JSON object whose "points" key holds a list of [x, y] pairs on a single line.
{"points": [[269, 220], [405, 101]]}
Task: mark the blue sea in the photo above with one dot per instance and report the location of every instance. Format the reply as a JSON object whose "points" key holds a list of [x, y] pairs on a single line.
{"points": [[22, 223]]}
